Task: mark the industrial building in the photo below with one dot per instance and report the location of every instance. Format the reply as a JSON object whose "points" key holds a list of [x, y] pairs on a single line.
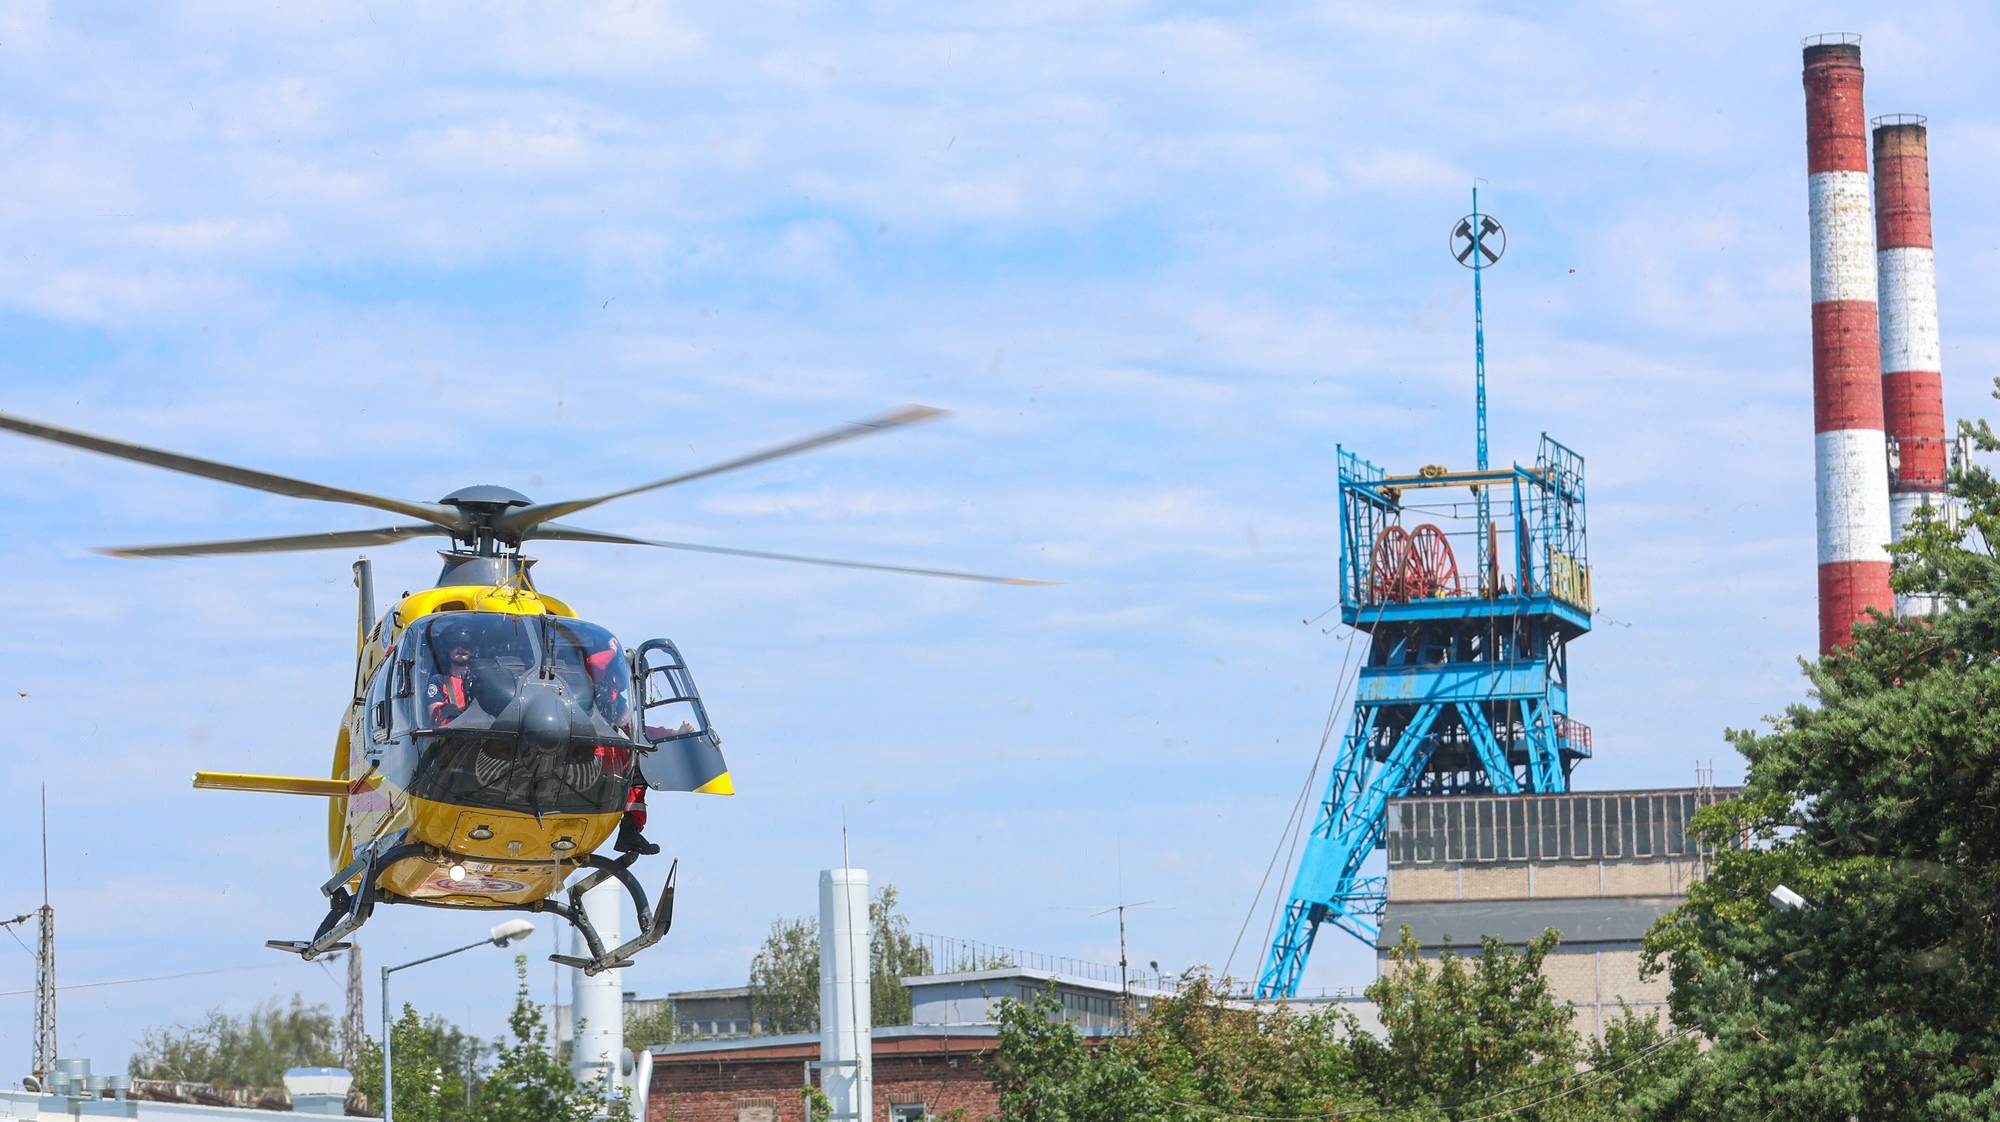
{"points": [[934, 1064], [1597, 866]]}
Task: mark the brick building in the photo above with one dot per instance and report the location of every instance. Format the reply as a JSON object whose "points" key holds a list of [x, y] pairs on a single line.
{"points": [[921, 1071], [1598, 866]]}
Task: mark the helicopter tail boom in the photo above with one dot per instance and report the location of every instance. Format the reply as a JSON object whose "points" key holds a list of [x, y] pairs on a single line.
{"points": [[271, 784]]}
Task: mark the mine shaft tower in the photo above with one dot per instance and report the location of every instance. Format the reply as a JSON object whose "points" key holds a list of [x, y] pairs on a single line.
{"points": [[1465, 685]]}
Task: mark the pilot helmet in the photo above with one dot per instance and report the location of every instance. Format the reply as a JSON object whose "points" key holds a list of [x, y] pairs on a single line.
{"points": [[455, 634]]}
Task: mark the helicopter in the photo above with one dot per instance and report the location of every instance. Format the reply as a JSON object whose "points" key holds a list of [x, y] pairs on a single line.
{"points": [[492, 737]]}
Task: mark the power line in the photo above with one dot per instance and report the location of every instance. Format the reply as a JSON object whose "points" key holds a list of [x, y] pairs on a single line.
{"points": [[153, 978], [1296, 825]]}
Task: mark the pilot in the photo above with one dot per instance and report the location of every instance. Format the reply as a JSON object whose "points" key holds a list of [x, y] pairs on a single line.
{"points": [[605, 693], [445, 692]]}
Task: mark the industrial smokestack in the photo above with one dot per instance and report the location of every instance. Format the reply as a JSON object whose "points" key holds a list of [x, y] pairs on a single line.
{"points": [[597, 1004], [1849, 452], [1912, 361], [846, 1021]]}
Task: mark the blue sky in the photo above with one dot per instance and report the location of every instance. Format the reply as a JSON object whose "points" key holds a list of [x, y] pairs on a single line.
{"points": [[1158, 260]]}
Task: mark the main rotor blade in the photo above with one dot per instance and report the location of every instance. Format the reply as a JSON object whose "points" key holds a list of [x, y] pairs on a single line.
{"points": [[555, 531], [332, 539], [227, 473], [518, 522]]}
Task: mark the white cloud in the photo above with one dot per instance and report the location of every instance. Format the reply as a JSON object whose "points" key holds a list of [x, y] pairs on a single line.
{"points": [[1158, 264]]}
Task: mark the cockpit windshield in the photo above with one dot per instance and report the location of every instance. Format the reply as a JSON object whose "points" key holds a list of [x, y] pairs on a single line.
{"points": [[564, 680], [589, 663], [470, 666]]}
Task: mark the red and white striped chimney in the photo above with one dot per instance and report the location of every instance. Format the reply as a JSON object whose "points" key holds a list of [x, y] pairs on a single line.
{"points": [[1912, 382], [1850, 454]]}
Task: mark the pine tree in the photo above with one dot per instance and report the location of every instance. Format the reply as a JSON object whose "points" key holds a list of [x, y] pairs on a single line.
{"points": [[1878, 801]]}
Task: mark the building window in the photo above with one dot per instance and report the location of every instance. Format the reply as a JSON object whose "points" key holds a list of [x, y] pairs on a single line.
{"points": [[908, 1112]]}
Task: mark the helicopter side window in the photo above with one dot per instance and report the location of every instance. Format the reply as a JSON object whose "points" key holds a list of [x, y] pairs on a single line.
{"points": [[377, 714], [469, 667], [673, 708], [591, 666]]}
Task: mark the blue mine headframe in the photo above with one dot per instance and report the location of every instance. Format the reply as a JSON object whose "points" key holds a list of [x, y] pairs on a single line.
{"points": [[1465, 688]]}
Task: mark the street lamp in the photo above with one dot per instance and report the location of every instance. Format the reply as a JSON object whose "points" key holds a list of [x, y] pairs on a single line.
{"points": [[512, 931], [1787, 899]]}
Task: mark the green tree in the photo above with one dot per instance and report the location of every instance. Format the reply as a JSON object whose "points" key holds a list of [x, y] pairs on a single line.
{"points": [[1044, 1072], [893, 954], [658, 1027], [784, 975], [439, 1068], [1200, 1047], [1462, 1032], [1465, 1036], [1878, 800], [253, 1050], [529, 1083]]}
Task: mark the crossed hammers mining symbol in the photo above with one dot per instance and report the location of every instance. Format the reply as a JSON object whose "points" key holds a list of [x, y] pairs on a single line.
{"points": [[1478, 242]]}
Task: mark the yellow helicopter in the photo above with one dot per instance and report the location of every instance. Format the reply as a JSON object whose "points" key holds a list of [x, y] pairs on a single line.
{"points": [[493, 741]]}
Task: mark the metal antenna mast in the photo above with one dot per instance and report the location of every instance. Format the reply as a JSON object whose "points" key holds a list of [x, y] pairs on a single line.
{"points": [[1479, 331], [45, 965], [1475, 230], [356, 1025]]}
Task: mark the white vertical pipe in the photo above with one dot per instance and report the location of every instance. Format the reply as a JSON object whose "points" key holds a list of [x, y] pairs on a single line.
{"points": [[597, 1047], [642, 1082], [846, 1049]]}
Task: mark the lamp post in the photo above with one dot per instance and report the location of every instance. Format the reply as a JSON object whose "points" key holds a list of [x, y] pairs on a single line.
{"points": [[1787, 899], [512, 931]]}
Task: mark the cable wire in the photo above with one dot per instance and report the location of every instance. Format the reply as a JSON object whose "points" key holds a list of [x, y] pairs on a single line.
{"points": [[1293, 822], [1295, 825], [154, 978]]}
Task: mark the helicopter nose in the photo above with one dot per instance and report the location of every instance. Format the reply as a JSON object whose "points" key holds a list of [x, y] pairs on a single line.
{"points": [[545, 721]]}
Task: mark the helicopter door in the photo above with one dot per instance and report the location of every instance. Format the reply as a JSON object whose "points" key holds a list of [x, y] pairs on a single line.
{"points": [[686, 750]]}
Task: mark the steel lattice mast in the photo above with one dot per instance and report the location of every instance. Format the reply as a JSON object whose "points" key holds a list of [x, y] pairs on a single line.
{"points": [[45, 965], [354, 1027], [1465, 685]]}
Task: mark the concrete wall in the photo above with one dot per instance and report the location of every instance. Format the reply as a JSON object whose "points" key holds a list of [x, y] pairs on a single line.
{"points": [[1667, 876], [1593, 979], [1629, 849]]}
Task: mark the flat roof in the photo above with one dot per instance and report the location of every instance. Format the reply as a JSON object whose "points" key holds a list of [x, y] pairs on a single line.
{"points": [[1719, 793], [1023, 973], [699, 995]]}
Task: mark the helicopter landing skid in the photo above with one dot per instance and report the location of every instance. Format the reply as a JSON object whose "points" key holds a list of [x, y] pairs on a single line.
{"points": [[346, 911], [652, 928]]}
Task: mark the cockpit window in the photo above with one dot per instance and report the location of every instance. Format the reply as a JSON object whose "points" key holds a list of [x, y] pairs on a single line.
{"points": [[470, 666], [590, 664], [567, 680]]}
